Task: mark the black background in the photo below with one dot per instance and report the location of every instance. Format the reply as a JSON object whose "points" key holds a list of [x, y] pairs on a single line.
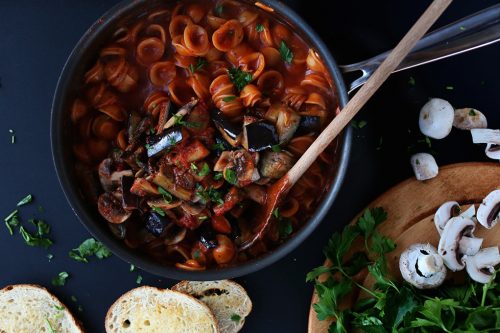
{"points": [[37, 36]]}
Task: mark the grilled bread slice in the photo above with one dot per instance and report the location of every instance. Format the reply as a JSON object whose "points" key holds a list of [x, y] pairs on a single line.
{"points": [[227, 299], [153, 310], [28, 308]]}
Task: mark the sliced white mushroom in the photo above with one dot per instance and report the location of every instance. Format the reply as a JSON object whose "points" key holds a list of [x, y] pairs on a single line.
{"points": [[469, 212], [469, 245], [493, 151], [481, 267], [488, 213], [469, 118], [444, 213], [436, 118], [485, 135], [449, 243], [424, 166], [421, 266]]}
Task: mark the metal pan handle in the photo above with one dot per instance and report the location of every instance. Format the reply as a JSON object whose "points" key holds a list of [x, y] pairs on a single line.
{"points": [[469, 33]]}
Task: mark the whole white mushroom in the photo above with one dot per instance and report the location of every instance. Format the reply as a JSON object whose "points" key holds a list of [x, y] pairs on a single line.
{"points": [[436, 118], [424, 166]]}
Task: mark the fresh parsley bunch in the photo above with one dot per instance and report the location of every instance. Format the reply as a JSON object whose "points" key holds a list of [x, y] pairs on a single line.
{"points": [[389, 306]]}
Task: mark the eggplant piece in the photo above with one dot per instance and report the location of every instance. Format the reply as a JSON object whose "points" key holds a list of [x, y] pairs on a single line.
{"points": [[286, 125], [258, 136], [155, 224], [167, 139], [275, 165], [110, 207], [207, 236], [229, 131], [129, 200], [309, 124]]}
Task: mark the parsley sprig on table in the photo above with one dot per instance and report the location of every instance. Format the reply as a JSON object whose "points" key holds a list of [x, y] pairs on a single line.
{"points": [[391, 306]]}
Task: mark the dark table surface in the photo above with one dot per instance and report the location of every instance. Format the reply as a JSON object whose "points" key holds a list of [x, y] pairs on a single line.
{"points": [[37, 36]]}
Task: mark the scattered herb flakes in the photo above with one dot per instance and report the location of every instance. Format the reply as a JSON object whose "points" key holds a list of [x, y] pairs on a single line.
{"points": [[205, 170], [276, 148], [228, 99], [235, 317], [218, 175], [285, 227], [60, 279], [359, 124], [167, 196], [285, 53], [26, 200], [230, 176], [239, 77], [42, 228], [12, 136], [88, 248], [31, 240], [209, 194], [200, 63], [202, 218], [218, 146], [472, 113], [132, 268], [462, 28], [51, 329], [189, 124], [417, 161], [411, 81], [74, 299], [219, 9], [449, 87], [50, 256], [139, 279], [259, 27], [12, 221], [196, 254], [158, 210], [276, 213]]}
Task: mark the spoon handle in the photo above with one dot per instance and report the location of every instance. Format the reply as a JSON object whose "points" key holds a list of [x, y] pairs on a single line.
{"points": [[397, 55]]}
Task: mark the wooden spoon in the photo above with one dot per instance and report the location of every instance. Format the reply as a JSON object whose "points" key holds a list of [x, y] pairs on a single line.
{"points": [[277, 191]]}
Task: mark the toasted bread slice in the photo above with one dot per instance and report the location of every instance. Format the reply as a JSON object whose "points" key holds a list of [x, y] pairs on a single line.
{"points": [[153, 310], [28, 308], [227, 299]]}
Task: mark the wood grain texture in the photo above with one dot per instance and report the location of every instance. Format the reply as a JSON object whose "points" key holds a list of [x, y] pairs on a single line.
{"points": [[411, 205]]}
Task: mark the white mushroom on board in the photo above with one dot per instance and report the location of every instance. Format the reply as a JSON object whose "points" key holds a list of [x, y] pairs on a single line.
{"points": [[444, 213], [449, 244], [481, 267], [488, 213], [493, 151], [436, 118], [421, 266], [424, 166], [469, 118], [485, 135]]}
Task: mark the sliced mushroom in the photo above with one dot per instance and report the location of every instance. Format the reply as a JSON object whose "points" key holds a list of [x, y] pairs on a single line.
{"points": [[485, 135], [449, 244], [424, 166], [469, 118], [421, 266], [231, 132], [481, 267], [167, 139], [258, 136], [287, 123], [110, 179], [275, 164], [493, 151], [110, 207], [241, 163], [488, 213], [444, 213], [436, 118], [182, 112], [129, 200]]}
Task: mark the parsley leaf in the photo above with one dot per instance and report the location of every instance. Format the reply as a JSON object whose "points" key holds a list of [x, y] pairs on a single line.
{"points": [[259, 27], [205, 170], [88, 248], [12, 221], [285, 228], [235, 318], [60, 279], [230, 176], [239, 78], [285, 53], [276, 148], [228, 99], [219, 9], [26, 200], [209, 194], [158, 210], [51, 329], [139, 279], [218, 175], [167, 196], [31, 240], [200, 63]]}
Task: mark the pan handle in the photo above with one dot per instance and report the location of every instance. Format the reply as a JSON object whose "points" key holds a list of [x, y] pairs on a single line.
{"points": [[472, 32]]}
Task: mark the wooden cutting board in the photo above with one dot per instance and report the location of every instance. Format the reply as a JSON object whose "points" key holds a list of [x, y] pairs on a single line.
{"points": [[411, 205]]}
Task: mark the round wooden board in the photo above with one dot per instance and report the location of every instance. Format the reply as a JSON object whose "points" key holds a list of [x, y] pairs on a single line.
{"points": [[411, 205]]}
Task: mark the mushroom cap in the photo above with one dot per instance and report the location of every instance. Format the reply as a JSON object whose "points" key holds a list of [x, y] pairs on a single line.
{"points": [[421, 266], [488, 213], [481, 267], [485, 135], [436, 118], [424, 166], [469, 118], [449, 243], [444, 213]]}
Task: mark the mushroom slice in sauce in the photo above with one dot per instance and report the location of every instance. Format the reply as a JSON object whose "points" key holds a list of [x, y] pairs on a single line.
{"points": [[421, 266], [481, 266], [424, 166], [488, 213], [110, 207], [449, 244], [469, 118], [436, 118], [275, 164], [110, 179]]}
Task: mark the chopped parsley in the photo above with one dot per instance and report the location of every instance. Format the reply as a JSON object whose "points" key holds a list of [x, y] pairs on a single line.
{"points": [[205, 170], [411, 81], [12, 136], [42, 228], [230, 176], [202, 218], [12, 221], [219, 9], [228, 99], [218, 175], [139, 279], [51, 329], [276, 213], [218, 146], [239, 78], [200, 63], [236, 318], [26, 200], [359, 124], [285, 227], [60, 279], [50, 256], [158, 211], [132, 268], [276, 148], [196, 254], [88, 248], [285, 53], [259, 27], [167, 197], [449, 88], [31, 240], [209, 194], [189, 124], [462, 28], [472, 113]]}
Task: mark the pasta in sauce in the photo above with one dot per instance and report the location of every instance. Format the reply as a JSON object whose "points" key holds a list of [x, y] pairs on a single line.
{"points": [[185, 118]]}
